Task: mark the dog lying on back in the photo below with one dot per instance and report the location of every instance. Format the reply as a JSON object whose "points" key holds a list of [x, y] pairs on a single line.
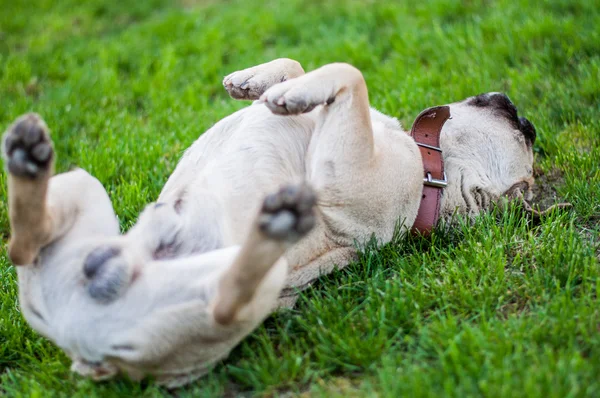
{"points": [[259, 206]]}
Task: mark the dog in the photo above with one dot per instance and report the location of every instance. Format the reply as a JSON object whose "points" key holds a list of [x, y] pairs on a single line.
{"points": [[260, 205]]}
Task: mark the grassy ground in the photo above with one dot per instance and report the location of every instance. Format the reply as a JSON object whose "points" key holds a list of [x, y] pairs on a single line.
{"points": [[505, 308]]}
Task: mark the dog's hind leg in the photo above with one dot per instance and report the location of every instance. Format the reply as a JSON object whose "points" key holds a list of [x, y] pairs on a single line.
{"points": [[228, 292], [42, 208], [251, 83], [29, 160], [112, 264]]}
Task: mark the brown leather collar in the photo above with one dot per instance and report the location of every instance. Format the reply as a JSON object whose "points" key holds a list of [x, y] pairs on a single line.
{"points": [[426, 133]]}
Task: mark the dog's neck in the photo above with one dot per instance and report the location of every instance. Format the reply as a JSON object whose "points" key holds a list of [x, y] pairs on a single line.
{"points": [[426, 132], [444, 194]]}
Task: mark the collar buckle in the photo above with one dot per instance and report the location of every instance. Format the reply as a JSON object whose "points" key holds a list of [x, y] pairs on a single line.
{"points": [[433, 148], [433, 182]]}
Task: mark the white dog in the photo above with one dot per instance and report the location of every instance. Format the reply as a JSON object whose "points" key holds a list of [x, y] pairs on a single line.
{"points": [[216, 253]]}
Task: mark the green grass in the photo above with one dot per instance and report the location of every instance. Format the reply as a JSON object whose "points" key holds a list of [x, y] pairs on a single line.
{"points": [[503, 308]]}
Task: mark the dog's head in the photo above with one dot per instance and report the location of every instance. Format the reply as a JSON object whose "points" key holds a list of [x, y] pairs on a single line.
{"points": [[488, 151]]}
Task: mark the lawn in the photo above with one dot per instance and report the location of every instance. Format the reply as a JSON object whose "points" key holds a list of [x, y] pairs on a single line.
{"points": [[507, 307]]}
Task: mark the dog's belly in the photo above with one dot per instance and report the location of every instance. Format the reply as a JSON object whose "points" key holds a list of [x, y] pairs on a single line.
{"points": [[229, 170]]}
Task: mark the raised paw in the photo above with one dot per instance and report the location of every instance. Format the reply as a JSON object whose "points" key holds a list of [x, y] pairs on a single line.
{"points": [[27, 147], [295, 97], [288, 214], [107, 272], [246, 84], [251, 83]]}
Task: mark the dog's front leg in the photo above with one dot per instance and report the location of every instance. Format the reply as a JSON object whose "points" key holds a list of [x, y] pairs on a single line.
{"points": [[343, 133], [29, 159], [235, 289], [251, 83], [356, 180]]}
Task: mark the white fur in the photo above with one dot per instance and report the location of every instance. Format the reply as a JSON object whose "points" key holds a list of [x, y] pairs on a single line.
{"points": [[367, 173]]}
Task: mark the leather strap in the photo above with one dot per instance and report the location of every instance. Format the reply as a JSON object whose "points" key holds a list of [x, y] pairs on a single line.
{"points": [[426, 133]]}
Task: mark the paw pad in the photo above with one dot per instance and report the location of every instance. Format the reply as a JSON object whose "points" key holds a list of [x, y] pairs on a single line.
{"points": [[288, 214], [27, 147]]}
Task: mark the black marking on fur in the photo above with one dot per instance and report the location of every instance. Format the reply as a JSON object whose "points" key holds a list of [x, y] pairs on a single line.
{"points": [[106, 272], [107, 286], [528, 130], [97, 258], [504, 107], [500, 103], [178, 205]]}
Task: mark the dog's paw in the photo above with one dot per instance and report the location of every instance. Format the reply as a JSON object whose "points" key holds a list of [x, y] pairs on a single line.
{"points": [[27, 147], [288, 214], [295, 97], [250, 84], [107, 272]]}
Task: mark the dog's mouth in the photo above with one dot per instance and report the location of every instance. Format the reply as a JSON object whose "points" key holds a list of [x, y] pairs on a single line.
{"points": [[522, 191]]}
